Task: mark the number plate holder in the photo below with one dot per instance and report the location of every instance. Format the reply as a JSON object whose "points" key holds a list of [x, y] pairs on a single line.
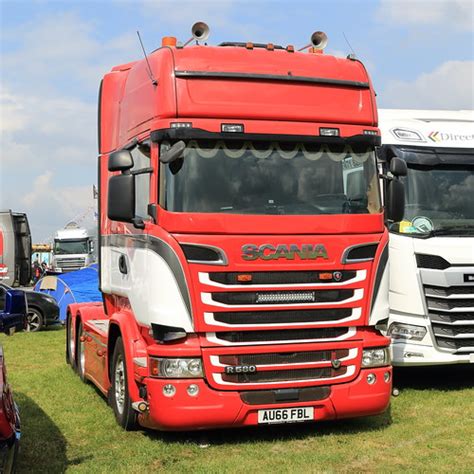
{"points": [[286, 415]]}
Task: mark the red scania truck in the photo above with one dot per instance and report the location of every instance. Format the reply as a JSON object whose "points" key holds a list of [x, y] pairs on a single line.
{"points": [[243, 248]]}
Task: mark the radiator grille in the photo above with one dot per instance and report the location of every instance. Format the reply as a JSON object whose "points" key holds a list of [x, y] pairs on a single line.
{"points": [[284, 375], [281, 317], [286, 335]]}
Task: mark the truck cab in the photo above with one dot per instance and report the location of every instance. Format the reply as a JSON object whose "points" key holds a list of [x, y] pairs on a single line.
{"points": [[243, 251], [432, 249], [73, 249]]}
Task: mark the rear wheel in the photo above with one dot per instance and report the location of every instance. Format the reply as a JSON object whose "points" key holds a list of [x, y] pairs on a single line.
{"points": [[119, 398], [34, 320]]}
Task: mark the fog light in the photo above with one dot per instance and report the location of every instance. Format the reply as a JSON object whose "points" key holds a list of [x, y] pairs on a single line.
{"points": [[193, 390], [371, 379], [386, 377], [169, 390]]}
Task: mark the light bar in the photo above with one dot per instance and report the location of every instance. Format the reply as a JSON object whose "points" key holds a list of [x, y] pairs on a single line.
{"points": [[232, 127], [181, 124], [370, 132], [301, 297], [409, 135], [329, 132]]}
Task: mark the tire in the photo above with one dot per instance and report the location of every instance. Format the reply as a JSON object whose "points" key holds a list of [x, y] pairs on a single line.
{"points": [[35, 320], [70, 343], [80, 353], [118, 397]]}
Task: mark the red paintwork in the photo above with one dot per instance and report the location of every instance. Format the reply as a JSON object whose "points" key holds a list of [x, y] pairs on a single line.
{"points": [[7, 410], [131, 107]]}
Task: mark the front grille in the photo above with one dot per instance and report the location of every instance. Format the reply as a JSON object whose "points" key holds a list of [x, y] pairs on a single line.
{"points": [[284, 375], [282, 317], [282, 297], [70, 263], [450, 318], [282, 358], [434, 262], [456, 344], [449, 304], [280, 278], [449, 291], [285, 335]]}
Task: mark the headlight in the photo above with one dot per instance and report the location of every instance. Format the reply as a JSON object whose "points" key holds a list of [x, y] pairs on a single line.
{"points": [[406, 331], [176, 368], [375, 357]]}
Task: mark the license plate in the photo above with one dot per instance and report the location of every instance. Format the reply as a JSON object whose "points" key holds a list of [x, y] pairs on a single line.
{"points": [[286, 415]]}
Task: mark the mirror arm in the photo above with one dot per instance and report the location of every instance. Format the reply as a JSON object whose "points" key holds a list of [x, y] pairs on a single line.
{"points": [[138, 223], [142, 171]]}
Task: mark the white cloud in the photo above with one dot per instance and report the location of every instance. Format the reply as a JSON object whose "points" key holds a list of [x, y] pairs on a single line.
{"points": [[449, 14], [449, 86], [50, 207]]}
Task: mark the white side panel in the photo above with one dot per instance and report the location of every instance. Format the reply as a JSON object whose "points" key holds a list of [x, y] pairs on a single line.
{"points": [[380, 309], [149, 285], [406, 294]]}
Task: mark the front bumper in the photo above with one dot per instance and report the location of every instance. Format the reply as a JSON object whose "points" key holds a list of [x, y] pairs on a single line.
{"points": [[223, 409], [406, 353]]}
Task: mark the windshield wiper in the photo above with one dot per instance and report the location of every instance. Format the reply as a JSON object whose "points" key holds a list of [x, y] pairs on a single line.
{"points": [[452, 230]]}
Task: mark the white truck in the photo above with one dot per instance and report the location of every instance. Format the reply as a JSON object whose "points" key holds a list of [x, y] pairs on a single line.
{"points": [[73, 249], [432, 250]]}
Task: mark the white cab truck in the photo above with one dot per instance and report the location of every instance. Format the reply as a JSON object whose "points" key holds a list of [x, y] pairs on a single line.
{"points": [[432, 250], [73, 249]]}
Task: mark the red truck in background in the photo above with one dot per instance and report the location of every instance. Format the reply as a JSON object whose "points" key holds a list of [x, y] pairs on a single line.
{"points": [[242, 243], [12, 318]]}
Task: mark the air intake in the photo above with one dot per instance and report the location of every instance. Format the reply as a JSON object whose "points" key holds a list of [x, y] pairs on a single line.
{"points": [[431, 261]]}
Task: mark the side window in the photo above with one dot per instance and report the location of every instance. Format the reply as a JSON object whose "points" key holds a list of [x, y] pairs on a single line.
{"points": [[141, 160]]}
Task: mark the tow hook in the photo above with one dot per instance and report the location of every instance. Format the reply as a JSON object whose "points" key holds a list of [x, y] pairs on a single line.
{"points": [[141, 406]]}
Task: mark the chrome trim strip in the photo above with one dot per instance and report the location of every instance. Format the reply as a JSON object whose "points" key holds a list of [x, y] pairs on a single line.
{"points": [[351, 369], [206, 298], [361, 275], [353, 352], [211, 337]]}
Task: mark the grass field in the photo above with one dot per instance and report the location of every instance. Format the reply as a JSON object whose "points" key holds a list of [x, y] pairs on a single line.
{"points": [[67, 426]]}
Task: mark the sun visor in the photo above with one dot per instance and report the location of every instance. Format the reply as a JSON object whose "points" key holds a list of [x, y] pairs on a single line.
{"points": [[432, 156]]}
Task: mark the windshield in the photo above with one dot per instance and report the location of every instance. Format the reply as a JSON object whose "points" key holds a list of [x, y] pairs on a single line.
{"points": [[62, 247], [272, 178], [439, 200]]}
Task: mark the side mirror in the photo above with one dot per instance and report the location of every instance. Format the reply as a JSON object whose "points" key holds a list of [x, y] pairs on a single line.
{"points": [[121, 198], [398, 167], [121, 160], [395, 200], [173, 153], [13, 317]]}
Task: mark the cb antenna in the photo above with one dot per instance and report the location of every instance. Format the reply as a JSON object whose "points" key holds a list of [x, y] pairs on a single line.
{"points": [[150, 73], [353, 55]]}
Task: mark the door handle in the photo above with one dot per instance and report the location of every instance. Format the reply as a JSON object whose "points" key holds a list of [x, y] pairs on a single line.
{"points": [[122, 263]]}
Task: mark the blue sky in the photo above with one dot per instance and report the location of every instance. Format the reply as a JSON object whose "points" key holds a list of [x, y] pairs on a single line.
{"points": [[419, 54]]}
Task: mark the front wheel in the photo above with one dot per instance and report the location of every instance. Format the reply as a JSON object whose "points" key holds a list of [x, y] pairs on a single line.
{"points": [[80, 353], [119, 398], [34, 320]]}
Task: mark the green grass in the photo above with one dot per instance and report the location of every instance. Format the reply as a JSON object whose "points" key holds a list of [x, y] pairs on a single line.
{"points": [[67, 425]]}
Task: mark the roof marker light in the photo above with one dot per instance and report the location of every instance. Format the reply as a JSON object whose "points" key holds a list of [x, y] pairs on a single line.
{"points": [[249, 45], [370, 132], [328, 132], [181, 125], [409, 135]]}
